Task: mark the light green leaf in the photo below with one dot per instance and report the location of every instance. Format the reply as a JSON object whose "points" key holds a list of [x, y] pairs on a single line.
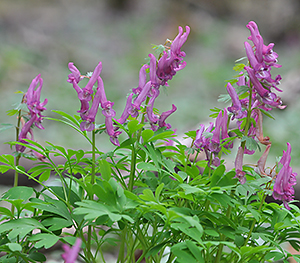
{"points": [[14, 246], [44, 240]]}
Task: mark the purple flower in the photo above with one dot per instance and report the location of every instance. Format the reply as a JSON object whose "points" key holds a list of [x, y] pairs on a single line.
{"points": [[33, 103], [179, 40], [32, 99], [285, 179], [150, 115], [220, 132], [164, 115], [24, 133], [239, 173], [111, 132], [171, 61], [236, 107], [71, 254], [126, 113], [142, 79], [269, 56], [75, 75], [139, 99], [85, 94]]}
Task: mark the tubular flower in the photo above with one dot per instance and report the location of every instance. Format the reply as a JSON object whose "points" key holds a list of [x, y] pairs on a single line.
{"points": [[35, 107], [71, 253], [75, 75], [150, 115], [220, 132], [171, 61], [33, 103], [126, 113], [239, 173], [84, 94], [261, 60], [236, 107], [164, 115], [142, 78], [285, 180]]}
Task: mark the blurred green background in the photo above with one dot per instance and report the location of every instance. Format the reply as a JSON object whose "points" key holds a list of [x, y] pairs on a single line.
{"points": [[43, 36]]}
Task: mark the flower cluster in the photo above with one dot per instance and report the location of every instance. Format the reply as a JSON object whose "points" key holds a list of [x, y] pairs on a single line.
{"points": [[160, 72], [85, 95], [35, 107], [247, 111]]}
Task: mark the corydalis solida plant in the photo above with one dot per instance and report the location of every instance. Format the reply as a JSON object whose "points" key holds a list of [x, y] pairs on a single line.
{"points": [[147, 194]]}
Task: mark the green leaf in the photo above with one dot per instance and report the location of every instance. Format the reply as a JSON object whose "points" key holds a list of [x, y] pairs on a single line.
{"points": [[196, 250], [147, 167], [5, 211], [12, 112], [44, 240], [217, 175], [162, 135], [8, 159], [92, 210], [14, 246], [53, 206], [18, 192], [20, 227], [147, 134], [56, 223], [148, 196], [251, 144], [6, 126], [134, 126], [105, 169], [45, 175], [4, 168], [239, 67], [158, 191]]}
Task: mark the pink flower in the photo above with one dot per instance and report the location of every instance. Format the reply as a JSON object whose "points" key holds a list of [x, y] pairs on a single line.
{"points": [[71, 253], [285, 179]]}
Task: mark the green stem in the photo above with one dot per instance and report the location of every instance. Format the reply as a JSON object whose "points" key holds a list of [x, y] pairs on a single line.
{"points": [[17, 159], [89, 237], [93, 157], [220, 249], [254, 221], [132, 169], [122, 245]]}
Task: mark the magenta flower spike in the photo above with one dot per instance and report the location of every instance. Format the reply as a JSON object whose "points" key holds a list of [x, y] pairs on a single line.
{"points": [[239, 173], [164, 115], [71, 253], [33, 100], [285, 179]]}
